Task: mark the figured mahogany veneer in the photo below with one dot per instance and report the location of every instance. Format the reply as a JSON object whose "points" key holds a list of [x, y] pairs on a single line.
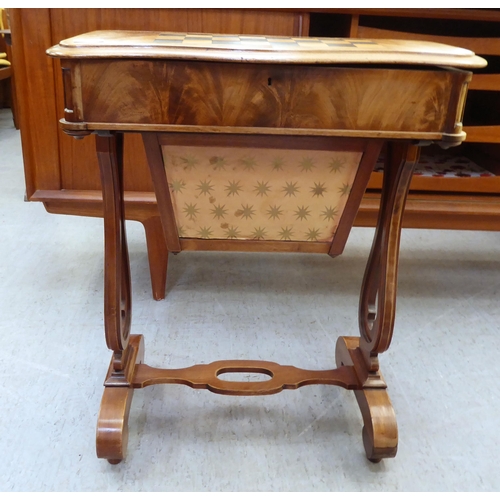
{"points": [[267, 94], [292, 129]]}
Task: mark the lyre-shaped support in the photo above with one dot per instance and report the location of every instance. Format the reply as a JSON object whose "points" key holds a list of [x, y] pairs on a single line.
{"points": [[117, 286], [115, 406], [377, 308], [357, 357]]}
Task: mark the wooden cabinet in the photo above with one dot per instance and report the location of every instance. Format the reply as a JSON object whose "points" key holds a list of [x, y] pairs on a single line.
{"points": [[458, 188], [62, 172]]}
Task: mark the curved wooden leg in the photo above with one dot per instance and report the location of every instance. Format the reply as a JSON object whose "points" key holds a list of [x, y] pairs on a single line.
{"points": [[112, 422], [117, 285], [157, 255], [377, 308], [380, 429]]}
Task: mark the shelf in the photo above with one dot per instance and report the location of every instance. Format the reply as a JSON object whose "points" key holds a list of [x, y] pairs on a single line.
{"points": [[439, 211], [485, 82], [445, 172], [483, 133], [483, 46]]}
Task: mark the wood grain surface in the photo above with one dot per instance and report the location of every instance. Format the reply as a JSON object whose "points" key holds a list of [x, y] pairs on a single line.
{"points": [[125, 92], [259, 49]]}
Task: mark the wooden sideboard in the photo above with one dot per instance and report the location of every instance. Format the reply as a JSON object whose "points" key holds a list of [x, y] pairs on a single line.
{"points": [[64, 175]]}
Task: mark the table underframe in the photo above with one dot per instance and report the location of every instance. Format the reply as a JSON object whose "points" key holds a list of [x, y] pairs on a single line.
{"points": [[357, 364]]}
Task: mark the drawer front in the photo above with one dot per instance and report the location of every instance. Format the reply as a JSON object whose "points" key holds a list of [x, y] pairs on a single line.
{"points": [[270, 96]]}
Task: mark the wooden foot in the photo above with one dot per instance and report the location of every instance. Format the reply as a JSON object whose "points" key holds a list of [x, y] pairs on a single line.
{"points": [[380, 430], [112, 423]]}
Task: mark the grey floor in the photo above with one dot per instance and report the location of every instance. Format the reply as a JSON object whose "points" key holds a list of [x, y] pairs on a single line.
{"points": [[442, 369]]}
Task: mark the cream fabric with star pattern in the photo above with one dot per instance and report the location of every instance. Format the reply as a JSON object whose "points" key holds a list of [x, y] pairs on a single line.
{"points": [[258, 194]]}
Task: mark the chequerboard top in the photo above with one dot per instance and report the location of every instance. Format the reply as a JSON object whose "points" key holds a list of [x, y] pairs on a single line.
{"points": [[260, 48]]}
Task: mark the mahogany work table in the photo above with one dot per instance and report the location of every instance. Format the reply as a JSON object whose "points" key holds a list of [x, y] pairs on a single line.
{"points": [[260, 143]]}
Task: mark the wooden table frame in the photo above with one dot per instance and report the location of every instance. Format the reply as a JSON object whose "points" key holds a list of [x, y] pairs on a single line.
{"points": [[356, 357], [288, 97]]}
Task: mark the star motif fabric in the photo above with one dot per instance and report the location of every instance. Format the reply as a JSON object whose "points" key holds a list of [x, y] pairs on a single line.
{"points": [[258, 194]]}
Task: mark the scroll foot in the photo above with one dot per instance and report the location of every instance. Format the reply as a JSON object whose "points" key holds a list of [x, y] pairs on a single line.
{"points": [[112, 422], [380, 430]]}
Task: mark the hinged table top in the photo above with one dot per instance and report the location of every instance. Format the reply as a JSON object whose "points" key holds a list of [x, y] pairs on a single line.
{"points": [[262, 49]]}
